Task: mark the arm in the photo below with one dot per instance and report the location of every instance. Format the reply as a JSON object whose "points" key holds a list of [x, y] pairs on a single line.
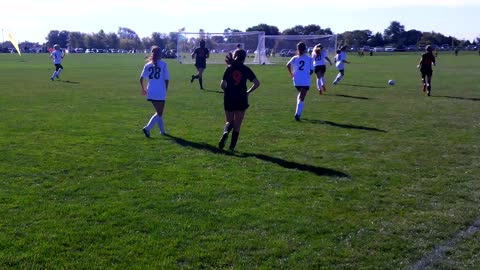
{"points": [[289, 68], [420, 62], [328, 59], [193, 54], [223, 85], [166, 85], [142, 87], [256, 84]]}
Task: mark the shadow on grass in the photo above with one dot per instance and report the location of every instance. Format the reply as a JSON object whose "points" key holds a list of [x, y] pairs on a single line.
{"points": [[463, 98], [72, 82], [314, 121], [361, 85], [281, 162], [212, 91], [347, 96]]}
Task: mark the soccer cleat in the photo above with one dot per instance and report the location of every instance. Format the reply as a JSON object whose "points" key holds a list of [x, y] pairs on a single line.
{"points": [[320, 92], [324, 88], [221, 143], [146, 132], [52, 79], [193, 78], [297, 117], [424, 88], [428, 93], [335, 82]]}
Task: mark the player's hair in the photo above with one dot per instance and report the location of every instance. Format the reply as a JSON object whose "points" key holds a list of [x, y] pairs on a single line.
{"points": [[318, 48], [428, 48], [202, 43], [155, 55], [56, 47], [301, 48], [236, 58], [338, 51]]}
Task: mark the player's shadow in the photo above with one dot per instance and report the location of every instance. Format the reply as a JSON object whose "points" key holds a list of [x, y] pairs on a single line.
{"points": [[72, 82], [281, 162], [213, 91], [462, 98], [348, 96], [315, 121], [365, 86]]}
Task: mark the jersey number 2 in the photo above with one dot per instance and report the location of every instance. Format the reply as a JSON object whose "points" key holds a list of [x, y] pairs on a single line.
{"points": [[302, 63]]}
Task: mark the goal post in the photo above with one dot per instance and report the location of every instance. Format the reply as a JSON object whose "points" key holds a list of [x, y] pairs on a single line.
{"points": [[219, 44], [279, 48]]}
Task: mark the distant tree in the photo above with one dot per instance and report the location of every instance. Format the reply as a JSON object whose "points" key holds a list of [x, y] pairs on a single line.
{"points": [[76, 40], [126, 33], [393, 33], [57, 37], [112, 40], [478, 39], [376, 40], [411, 37], [296, 30], [268, 29], [158, 39]]}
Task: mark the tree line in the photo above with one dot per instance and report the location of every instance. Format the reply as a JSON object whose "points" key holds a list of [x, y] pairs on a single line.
{"points": [[127, 39]]}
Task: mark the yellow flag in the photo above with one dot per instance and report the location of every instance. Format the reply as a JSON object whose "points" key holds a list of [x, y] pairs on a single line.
{"points": [[14, 42]]}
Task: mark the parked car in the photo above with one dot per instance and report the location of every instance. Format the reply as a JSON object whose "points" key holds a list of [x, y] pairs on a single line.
{"points": [[400, 49], [378, 49], [412, 48], [389, 49], [79, 50]]}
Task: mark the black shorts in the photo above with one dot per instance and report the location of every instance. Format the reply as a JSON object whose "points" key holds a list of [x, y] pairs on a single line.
{"points": [[235, 103], [426, 72], [201, 64], [58, 66], [321, 68], [302, 87]]}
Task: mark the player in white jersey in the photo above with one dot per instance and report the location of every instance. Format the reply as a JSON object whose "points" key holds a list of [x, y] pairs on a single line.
{"points": [[300, 68], [57, 56], [319, 55], [340, 61], [156, 72]]}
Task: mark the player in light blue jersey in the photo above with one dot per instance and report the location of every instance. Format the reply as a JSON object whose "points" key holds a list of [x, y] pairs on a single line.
{"points": [[300, 68], [156, 72]]}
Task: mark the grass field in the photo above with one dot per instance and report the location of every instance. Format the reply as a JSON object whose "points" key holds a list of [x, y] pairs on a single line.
{"points": [[373, 177]]}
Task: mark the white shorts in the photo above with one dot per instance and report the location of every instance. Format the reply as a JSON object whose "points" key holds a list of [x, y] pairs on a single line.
{"points": [[156, 94]]}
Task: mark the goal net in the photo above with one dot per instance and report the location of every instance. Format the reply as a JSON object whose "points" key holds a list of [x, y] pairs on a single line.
{"points": [[219, 44], [280, 48]]}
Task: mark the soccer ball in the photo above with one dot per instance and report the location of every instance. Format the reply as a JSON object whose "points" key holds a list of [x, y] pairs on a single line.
{"points": [[391, 82]]}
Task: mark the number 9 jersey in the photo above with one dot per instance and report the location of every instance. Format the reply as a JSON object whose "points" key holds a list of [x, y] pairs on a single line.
{"points": [[301, 67], [156, 75]]}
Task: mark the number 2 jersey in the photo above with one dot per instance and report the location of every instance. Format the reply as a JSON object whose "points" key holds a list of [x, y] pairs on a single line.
{"points": [[156, 75], [301, 66]]}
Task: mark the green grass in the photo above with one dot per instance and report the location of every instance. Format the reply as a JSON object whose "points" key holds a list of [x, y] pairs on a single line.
{"points": [[373, 177]]}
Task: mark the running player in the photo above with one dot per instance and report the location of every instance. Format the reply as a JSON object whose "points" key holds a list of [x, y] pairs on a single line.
{"points": [[156, 72], [300, 68], [235, 98], [425, 66], [200, 55], [57, 56], [340, 60], [319, 55]]}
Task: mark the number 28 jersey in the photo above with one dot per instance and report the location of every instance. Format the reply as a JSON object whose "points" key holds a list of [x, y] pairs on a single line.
{"points": [[156, 75], [301, 66]]}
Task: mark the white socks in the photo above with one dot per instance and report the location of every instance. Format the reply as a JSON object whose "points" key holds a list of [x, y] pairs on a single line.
{"points": [[320, 82], [160, 125], [155, 119], [299, 109], [338, 78]]}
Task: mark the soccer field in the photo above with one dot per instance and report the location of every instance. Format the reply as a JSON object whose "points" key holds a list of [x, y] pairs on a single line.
{"points": [[373, 177]]}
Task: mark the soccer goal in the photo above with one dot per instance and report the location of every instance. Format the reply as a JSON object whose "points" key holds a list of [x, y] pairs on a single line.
{"points": [[219, 44], [280, 48]]}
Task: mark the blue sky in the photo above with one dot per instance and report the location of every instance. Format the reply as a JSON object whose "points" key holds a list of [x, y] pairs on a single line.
{"points": [[32, 19]]}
